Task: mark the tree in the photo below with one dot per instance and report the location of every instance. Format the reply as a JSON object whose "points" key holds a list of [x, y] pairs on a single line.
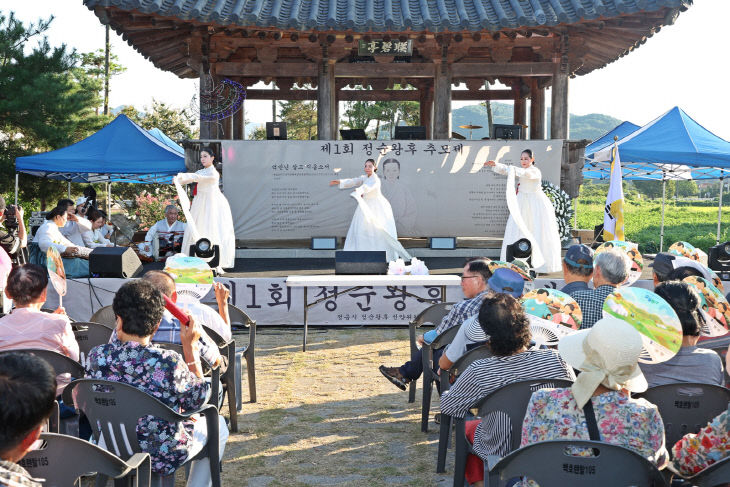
{"points": [[93, 64], [300, 117], [45, 103], [653, 189], [686, 189], [176, 124]]}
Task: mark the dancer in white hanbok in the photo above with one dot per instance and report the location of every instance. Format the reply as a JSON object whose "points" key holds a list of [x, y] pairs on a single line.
{"points": [[210, 214], [532, 215], [372, 226]]}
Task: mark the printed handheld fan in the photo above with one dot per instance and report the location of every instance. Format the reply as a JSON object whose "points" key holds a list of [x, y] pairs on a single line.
{"points": [[632, 251], [715, 308], [56, 272], [193, 277], [652, 317], [553, 315]]}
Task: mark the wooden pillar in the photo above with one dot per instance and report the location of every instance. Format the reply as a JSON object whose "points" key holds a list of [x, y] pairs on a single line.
{"points": [[442, 99], [335, 116], [537, 111], [326, 97], [519, 113], [559, 110], [239, 122], [227, 126], [425, 108], [205, 126]]}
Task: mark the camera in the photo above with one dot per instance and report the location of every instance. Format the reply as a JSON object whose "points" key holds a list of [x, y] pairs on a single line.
{"points": [[11, 218]]}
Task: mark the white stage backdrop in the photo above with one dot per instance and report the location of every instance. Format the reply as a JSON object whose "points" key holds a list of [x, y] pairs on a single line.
{"points": [[270, 302], [279, 189]]}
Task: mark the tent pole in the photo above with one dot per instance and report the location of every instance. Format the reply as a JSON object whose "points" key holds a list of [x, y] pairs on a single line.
{"points": [[16, 189], [109, 199], [661, 234], [719, 212], [68, 191]]}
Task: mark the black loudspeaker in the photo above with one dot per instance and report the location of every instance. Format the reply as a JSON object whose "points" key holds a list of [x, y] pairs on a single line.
{"points": [[360, 262], [114, 262]]}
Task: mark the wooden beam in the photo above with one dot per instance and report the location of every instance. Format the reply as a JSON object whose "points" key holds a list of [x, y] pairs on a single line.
{"points": [[486, 70], [376, 95], [274, 70]]}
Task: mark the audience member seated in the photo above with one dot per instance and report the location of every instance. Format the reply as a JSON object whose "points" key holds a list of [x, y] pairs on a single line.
{"points": [[470, 334], [169, 329], [173, 379], [27, 326], [28, 390], [695, 452], [680, 273], [76, 224], [664, 263], [691, 363], [502, 319], [95, 236], [49, 235], [607, 357], [474, 286], [164, 238], [610, 270], [577, 268]]}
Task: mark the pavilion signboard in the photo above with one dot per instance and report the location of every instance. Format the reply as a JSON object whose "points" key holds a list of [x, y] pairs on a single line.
{"points": [[380, 47]]}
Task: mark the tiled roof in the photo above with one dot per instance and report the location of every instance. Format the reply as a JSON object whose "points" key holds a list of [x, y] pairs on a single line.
{"points": [[390, 15]]}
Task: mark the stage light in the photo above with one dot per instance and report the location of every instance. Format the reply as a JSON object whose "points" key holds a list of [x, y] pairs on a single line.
{"points": [[520, 252], [205, 250], [718, 259], [521, 249], [442, 243]]}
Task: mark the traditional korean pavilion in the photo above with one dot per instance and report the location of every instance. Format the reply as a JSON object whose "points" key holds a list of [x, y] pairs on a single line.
{"points": [[527, 45]]}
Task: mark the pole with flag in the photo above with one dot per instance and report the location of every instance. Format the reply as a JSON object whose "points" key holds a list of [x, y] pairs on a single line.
{"points": [[613, 213]]}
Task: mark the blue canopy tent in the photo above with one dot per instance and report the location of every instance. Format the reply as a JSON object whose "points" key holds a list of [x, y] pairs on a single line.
{"points": [[673, 146], [162, 137], [120, 152], [621, 130]]}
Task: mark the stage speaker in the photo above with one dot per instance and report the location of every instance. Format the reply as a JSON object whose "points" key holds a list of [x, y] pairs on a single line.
{"points": [[360, 262], [114, 262]]}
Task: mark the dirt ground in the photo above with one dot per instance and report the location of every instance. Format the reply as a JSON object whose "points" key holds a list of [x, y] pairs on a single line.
{"points": [[328, 417]]}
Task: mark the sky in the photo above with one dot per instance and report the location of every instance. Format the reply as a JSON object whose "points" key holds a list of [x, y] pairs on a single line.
{"points": [[684, 65]]}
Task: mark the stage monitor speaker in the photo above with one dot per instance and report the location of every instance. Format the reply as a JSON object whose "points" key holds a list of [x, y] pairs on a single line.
{"points": [[360, 262], [114, 262], [503, 131]]}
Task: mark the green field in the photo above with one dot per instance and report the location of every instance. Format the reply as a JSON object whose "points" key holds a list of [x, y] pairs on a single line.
{"points": [[693, 222]]}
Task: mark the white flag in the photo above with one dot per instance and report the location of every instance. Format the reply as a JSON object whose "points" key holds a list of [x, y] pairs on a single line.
{"points": [[613, 213]]}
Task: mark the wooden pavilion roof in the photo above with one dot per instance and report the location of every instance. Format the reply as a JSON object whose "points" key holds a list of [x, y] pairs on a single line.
{"points": [[241, 32]]}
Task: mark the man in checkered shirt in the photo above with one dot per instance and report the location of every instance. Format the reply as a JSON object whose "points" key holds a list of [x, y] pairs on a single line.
{"points": [[474, 286], [610, 270]]}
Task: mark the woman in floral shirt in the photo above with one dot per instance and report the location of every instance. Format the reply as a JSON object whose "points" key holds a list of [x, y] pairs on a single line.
{"points": [[694, 453], [607, 356], [175, 380]]}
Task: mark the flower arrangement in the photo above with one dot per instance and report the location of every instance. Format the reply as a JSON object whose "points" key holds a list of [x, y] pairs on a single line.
{"points": [[150, 209], [563, 208], [399, 268]]}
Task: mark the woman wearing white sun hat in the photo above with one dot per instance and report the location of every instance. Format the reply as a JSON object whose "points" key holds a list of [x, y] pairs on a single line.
{"points": [[607, 356]]}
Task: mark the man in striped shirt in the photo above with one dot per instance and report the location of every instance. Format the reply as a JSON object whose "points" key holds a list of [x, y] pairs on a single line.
{"points": [[474, 286], [502, 319]]}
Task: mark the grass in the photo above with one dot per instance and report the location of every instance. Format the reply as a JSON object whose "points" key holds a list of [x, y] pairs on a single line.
{"points": [[328, 417], [642, 222]]}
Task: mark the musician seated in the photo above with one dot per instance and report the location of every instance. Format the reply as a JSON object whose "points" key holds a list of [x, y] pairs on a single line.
{"points": [[75, 258], [76, 223], [165, 237], [95, 236]]}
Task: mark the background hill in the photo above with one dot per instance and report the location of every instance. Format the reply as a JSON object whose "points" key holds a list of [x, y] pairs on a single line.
{"points": [[590, 126]]}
